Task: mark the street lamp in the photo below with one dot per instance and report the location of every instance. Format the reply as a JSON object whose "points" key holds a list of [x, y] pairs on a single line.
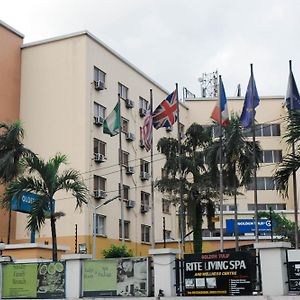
{"points": [[94, 221], [2, 247]]}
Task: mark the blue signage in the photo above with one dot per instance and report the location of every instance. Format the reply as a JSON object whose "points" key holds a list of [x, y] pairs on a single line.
{"points": [[248, 225], [25, 203]]}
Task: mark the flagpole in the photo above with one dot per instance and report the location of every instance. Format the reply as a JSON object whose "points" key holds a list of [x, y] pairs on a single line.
{"points": [[152, 179], [294, 177], [182, 210], [221, 171], [254, 156], [121, 175]]}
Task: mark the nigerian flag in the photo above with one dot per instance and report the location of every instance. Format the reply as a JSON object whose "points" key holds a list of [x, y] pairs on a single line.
{"points": [[112, 123]]}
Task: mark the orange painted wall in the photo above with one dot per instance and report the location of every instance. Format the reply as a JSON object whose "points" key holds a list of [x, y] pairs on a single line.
{"points": [[10, 76]]}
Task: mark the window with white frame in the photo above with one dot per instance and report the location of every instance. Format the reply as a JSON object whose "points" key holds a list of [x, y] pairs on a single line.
{"points": [[125, 158], [123, 91], [145, 232], [267, 206], [99, 147], [126, 229], [226, 207], [263, 183], [99, 183], [144, 166], [100, 224], [143, 103], [99, 75], [126, 190], [99, 110], [145, 201], [166, 206], [124, 125], [271, 156], [264, 130], [168, 234]]}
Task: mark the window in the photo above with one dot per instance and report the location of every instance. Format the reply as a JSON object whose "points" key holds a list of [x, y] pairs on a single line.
{"points": [[126, 189], [123, 91], [99, 183], [271, 156], [125, 158], [124, 125], [99, 110], [99, 147], [226, 207], [143, 103], [144, 166], [99, 75], [145, 197], [267, 206], [263, 183], [264, 130], [145, 230], [126, 229], [168, 235], [100, 224], [166, 206]]}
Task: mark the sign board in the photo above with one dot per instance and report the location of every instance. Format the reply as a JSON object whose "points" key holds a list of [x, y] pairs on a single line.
{"points": [[35, 280], [116, 277], [248, 225], [24, 204], [221, 274], [294, 275]]}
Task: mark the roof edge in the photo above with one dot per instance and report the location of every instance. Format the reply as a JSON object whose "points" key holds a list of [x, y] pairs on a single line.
{"points": [[98, 41], [11, 29]]}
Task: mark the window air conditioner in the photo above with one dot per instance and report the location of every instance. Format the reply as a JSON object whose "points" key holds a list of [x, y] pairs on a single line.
{"points": [[142, 112], [145, 176], [99, 85], [144, 209], [130, 204], [130, 137], [98, 120], [130, 170], [129, 103], [99, 194], [99, 157], [142, 145]]}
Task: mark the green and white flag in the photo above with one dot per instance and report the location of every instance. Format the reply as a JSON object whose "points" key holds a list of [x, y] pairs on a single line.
{"points": [[111, 124]]}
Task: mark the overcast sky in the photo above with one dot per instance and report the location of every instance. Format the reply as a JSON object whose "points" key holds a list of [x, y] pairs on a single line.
{"points": [[179, 40]]}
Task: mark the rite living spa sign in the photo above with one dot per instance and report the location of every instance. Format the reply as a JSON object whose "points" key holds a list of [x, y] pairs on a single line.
{"points": [[221, 274]]}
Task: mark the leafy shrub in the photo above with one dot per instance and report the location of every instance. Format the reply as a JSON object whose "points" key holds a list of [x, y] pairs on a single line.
{"points": [[117, 251]]}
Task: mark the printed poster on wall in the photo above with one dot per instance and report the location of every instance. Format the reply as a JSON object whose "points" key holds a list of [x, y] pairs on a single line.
{"points": [[294, 275], [221, 274], [36, 280], [112, 277]]}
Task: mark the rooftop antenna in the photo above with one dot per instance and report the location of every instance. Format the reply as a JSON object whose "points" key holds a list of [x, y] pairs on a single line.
{"points": [[209, 84]]}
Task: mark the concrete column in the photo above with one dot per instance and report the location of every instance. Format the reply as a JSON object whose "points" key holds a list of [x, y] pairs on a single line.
{"points": [[164, 272], [273, 268], [3, 259], [74, 274]]}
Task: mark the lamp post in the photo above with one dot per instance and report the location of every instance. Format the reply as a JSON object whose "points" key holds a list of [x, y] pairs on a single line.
{"points": [[2, 247], [94, 222]]}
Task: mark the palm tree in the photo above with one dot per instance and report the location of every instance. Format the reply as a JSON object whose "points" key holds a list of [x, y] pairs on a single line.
{"points": [[195, 186], [12, 150], [43, 179], [237, 162]]}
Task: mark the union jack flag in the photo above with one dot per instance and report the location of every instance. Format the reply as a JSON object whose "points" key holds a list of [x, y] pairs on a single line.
{"points": [[146, 131], [165, 115]]}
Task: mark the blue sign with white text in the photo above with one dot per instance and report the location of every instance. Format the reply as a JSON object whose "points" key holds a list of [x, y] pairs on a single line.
{"points": [[248, 225], [25, 203]]}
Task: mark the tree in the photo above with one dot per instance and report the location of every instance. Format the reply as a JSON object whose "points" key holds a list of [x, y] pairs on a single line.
{"points": [[237, 161], [12, 150], [44, 180], [195, 186]]}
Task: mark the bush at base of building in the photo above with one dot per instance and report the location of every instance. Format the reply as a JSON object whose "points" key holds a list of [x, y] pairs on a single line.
{"points": [[117, 251]]}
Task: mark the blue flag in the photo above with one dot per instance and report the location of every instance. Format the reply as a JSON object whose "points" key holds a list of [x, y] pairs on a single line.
{"points": [[292, 99], [248, 110]]}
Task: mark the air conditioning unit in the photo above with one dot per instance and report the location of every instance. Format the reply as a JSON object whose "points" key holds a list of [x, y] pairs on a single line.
{"points": [[142, 145], [130, 136], [142, 112], [129, 103], [99, 85], [130, 170], [99, 157], [145, 176], [144, 209], [98, 120], [169, 129], [99, 194], [130, 204]]}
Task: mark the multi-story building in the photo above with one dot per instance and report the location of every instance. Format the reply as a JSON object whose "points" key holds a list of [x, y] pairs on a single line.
{"points": [[10, 65], [69, 85]]}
